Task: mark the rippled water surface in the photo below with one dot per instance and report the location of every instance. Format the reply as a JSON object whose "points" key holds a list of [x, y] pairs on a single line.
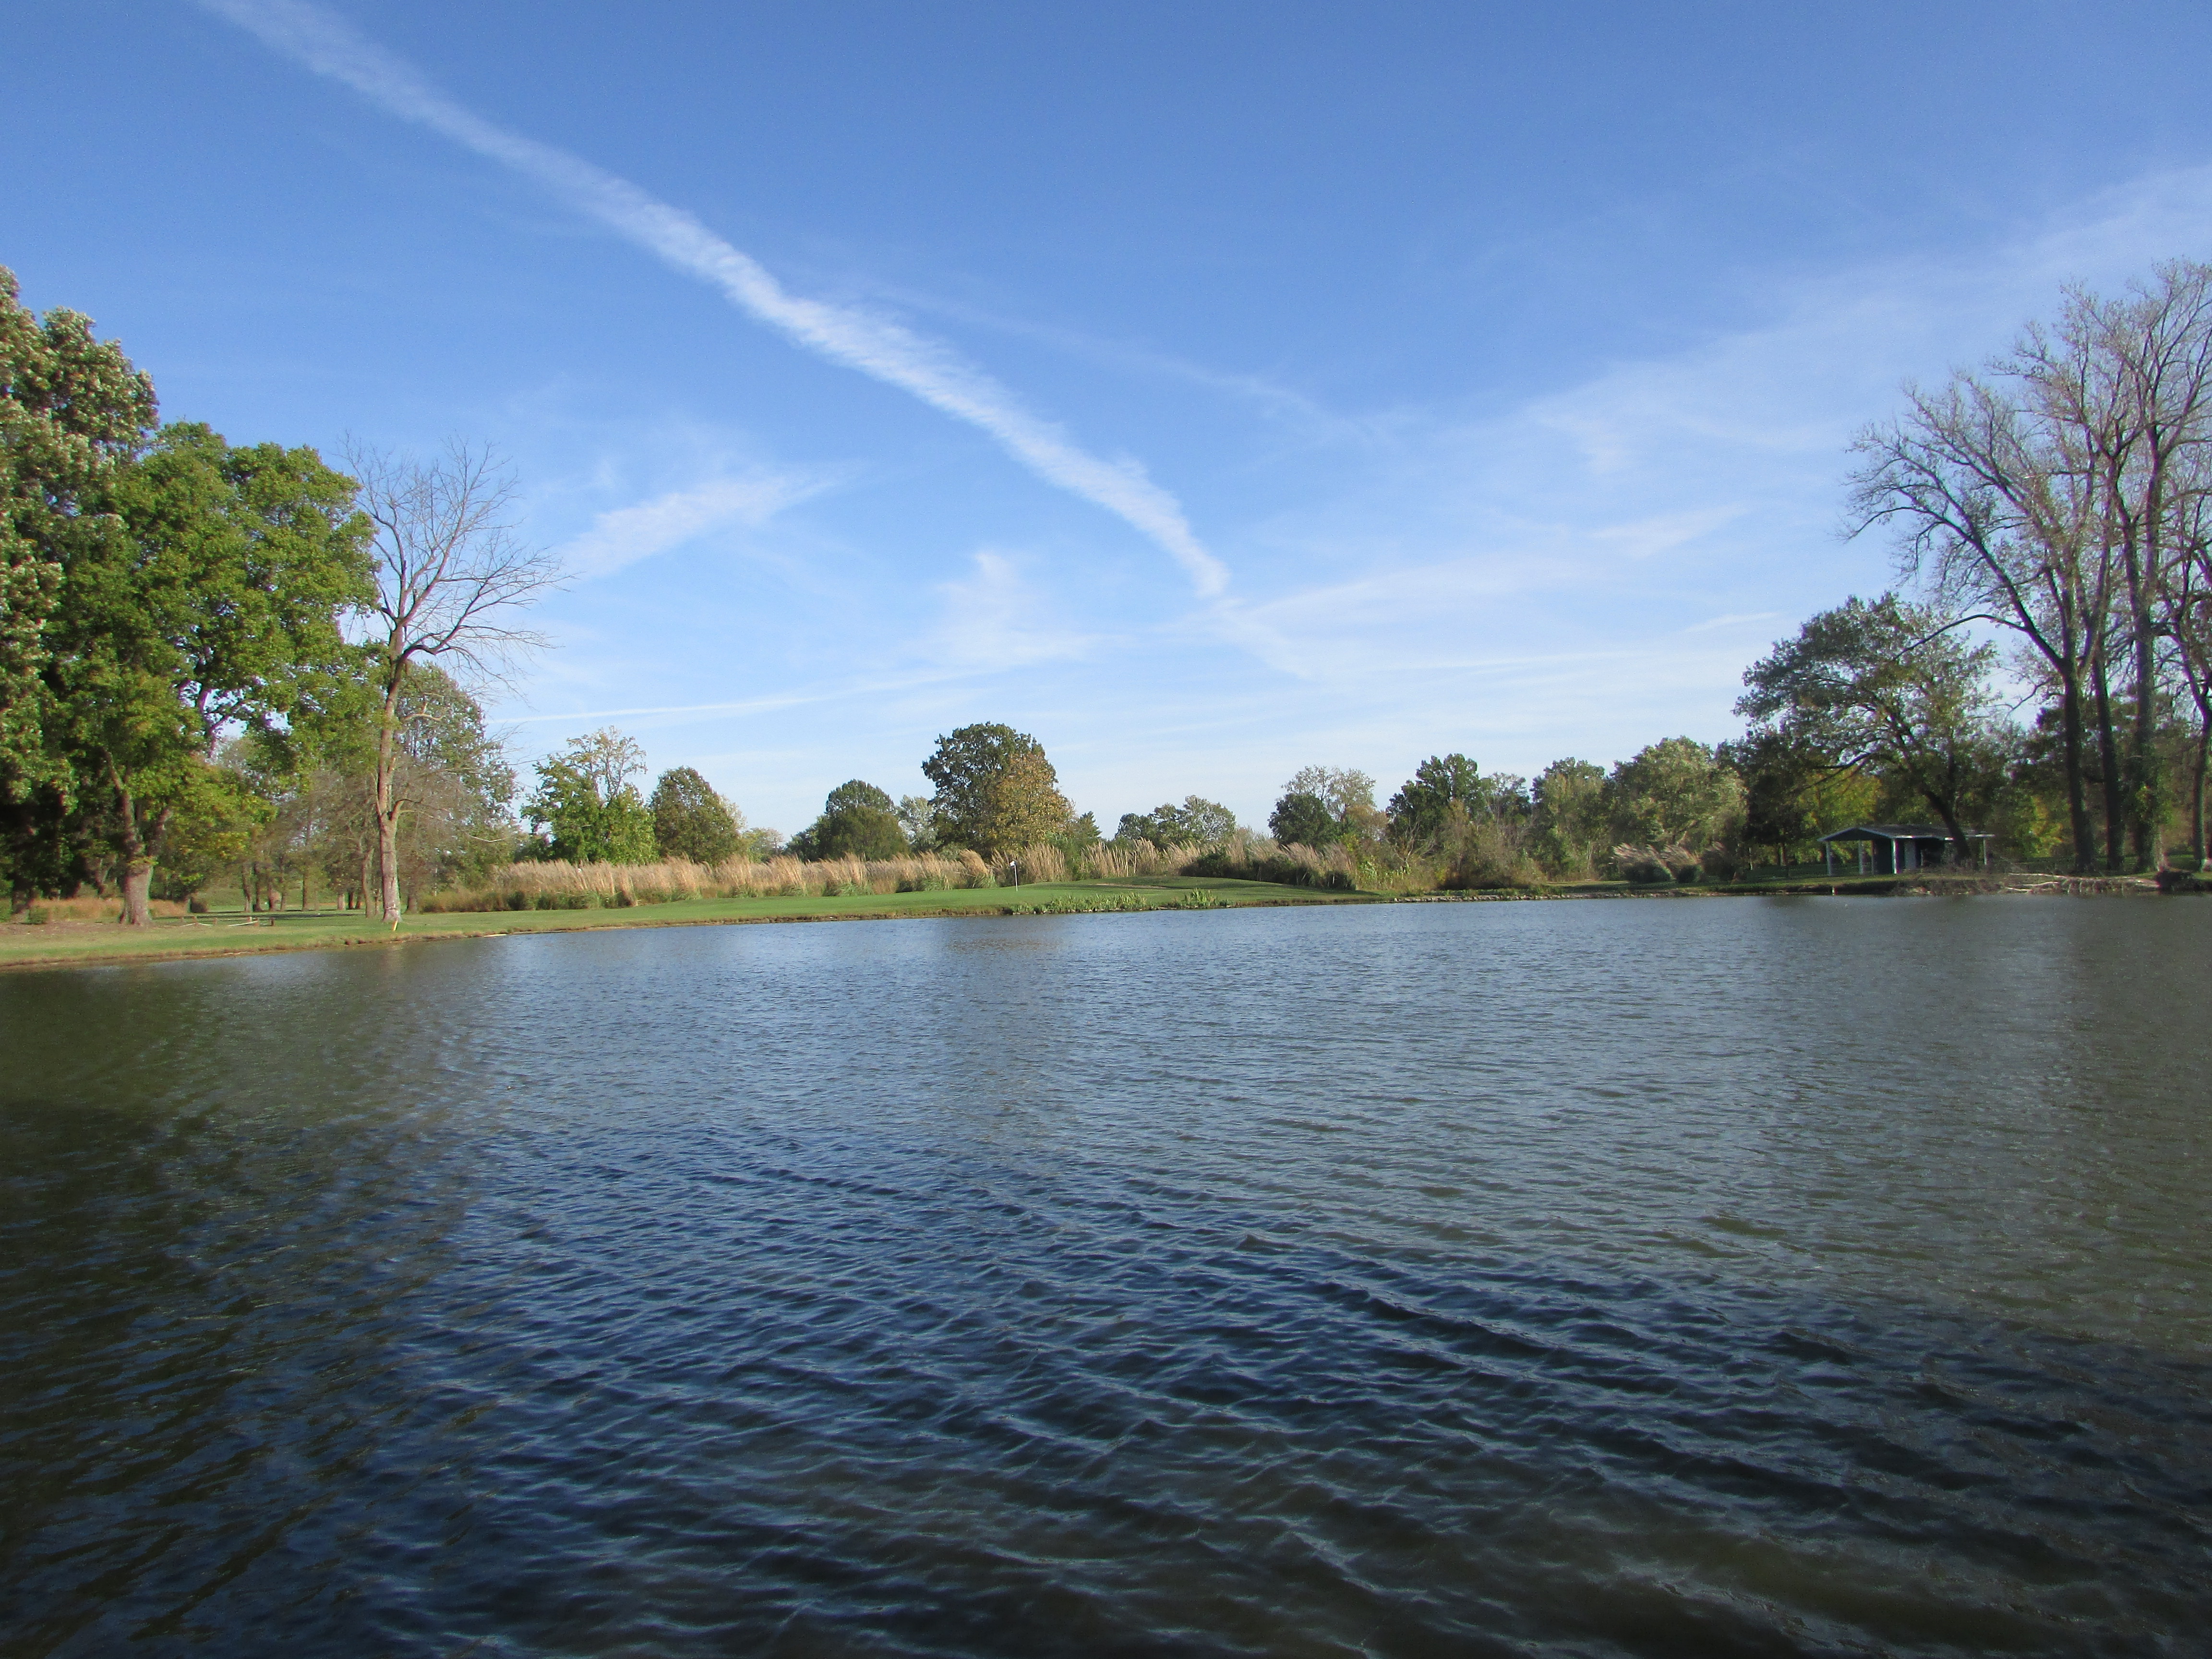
{"points": [[1821, 1276]]}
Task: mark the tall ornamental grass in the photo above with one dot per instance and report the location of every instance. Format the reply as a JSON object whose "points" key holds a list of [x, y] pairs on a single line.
{"points": [[40, 912], [556, 886]]}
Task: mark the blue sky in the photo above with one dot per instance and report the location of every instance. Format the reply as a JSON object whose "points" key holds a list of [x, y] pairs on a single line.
{"points": [[1207, 390]]}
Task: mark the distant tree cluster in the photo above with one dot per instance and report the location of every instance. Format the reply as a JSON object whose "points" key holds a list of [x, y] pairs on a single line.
{"points": [[1197, 822], [1467, 828]]}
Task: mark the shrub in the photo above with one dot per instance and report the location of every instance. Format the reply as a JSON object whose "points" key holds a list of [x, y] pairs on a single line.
{"points": [[1646, 866], [1252, 858], [1489, 856]]}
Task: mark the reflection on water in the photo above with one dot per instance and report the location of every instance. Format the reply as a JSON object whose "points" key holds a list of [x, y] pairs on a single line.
{"points": [[1698, 1277]]}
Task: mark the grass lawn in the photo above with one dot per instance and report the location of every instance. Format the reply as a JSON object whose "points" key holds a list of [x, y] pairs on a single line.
{"points": [[72, 944]]}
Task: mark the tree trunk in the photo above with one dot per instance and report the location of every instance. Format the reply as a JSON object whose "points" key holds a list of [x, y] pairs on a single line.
{"points": [[387, 858], [2197, 799], [2197, 790], [2145, 779], [137, 865], [2077, 789], [387, 802], [2108, 758], [1947, 808]]}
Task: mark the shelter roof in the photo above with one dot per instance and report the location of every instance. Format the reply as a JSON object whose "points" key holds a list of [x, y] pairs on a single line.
{"points": [[1901, 832]]}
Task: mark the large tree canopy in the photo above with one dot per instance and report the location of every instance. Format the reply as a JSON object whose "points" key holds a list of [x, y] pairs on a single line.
{"points": [[858, 821], [1441, 786], [691, 821], [996, 791], [585, 809], [72, 410], [216, 607], [1302, 818], [1889, 688], [1676, 793]]}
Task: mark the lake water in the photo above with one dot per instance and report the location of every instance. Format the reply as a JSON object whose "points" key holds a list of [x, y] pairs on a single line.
{"points": [[1817, 1276]]}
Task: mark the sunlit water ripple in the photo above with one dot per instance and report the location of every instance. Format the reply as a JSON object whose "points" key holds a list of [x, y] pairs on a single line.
{"points": [[1692, 1278]]}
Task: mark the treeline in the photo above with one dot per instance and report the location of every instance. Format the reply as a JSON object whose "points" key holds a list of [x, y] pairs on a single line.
{"points": [[2042, 676], [996, 796], [997, 817]]}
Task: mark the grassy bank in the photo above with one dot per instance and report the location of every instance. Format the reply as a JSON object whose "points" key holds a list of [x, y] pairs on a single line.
{"points": [[62, 942]]}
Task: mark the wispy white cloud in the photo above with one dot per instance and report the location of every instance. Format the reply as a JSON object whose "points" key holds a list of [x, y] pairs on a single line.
{"points": [[869, 686], [996, 620], [875, 345], [627, 534], [1662, 491], [1664, 532], [1743, 619]]}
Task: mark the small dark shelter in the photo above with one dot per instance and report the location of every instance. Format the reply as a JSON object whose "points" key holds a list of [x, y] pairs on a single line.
{"points": [[1890, 849]]}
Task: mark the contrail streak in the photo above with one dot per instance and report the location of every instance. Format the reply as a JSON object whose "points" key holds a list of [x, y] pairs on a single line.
{"points": [[933, 373]]}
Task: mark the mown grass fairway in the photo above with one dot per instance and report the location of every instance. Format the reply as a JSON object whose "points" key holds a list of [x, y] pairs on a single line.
{"points": [[233, 933]]}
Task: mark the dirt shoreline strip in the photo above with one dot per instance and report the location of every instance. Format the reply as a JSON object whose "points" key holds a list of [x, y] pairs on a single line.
{"points": [[99, 946]]}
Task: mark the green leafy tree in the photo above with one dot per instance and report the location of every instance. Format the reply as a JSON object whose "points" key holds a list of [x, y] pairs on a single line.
{"points": [[691, 821], [858, 821], [996, 791], [72, 412], [585, 808], [1197, 822], [1347, 798], [1448, 791], [51, 842], [1302, 818], [217, 607], [1675, 793], [1780, 771], [216, 818], [1022, 805], [1889, 688], [1350, 792], [1077, 838], [1568, 817]]}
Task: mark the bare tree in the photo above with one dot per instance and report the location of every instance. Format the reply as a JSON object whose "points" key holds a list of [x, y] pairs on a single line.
{"points": [[2129, 381], [2002, 523], [2055, 495], [2189, 624], [450, 572]]}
